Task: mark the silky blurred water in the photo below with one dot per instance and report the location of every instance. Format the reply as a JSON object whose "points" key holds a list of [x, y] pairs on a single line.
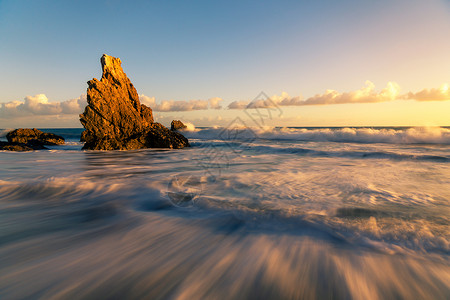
{"points": [[273, 213]]}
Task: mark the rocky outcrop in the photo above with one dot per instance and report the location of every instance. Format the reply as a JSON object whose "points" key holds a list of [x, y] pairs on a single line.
{"points": [[34, 136], [114, 118], [24, 139], [176, 125]]}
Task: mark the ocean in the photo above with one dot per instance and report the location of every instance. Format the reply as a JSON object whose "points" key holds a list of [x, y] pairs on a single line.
{"points": [[245, 213]]}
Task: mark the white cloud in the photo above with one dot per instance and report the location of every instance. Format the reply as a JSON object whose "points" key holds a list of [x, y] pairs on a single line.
{"points": [[282, 100], [366, 94], [238, 104], [180, 105], [214, 103], [39, 105], [277, 100], [74, 106], [439, 94], [149, 101]]}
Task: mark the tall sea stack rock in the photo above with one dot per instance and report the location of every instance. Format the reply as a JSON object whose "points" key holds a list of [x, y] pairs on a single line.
{"points": [[114, 118]]}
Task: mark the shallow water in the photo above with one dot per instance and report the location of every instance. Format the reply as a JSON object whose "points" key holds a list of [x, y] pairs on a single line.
{"points": [[287, 213]]}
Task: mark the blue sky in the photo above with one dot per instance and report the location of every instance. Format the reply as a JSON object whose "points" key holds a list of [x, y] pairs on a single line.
{"points": [[191, 50]]}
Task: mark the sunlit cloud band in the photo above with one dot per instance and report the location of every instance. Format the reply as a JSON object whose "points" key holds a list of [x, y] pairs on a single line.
{"points": [[40, 105]]}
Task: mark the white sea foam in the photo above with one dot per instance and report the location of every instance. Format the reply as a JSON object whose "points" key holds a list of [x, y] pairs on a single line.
{"points": [[158, 257], [414, 135], [189, 127], [265, 217], [4, 132]]}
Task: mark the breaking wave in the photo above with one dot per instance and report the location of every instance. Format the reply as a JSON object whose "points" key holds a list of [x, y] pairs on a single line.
{"points": [[260, 148], [4, 132], [413, 135]]}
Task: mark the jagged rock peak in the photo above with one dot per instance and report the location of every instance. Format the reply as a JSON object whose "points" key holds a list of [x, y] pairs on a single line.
{"points": [[112, 69]]}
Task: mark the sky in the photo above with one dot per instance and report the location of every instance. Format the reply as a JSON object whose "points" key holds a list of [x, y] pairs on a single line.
{"points": [[303, 63]]}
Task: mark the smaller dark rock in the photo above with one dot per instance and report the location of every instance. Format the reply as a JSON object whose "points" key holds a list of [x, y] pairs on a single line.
{"points": [[176, 125], [34, 136], [158, 136], [24, 139]]}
